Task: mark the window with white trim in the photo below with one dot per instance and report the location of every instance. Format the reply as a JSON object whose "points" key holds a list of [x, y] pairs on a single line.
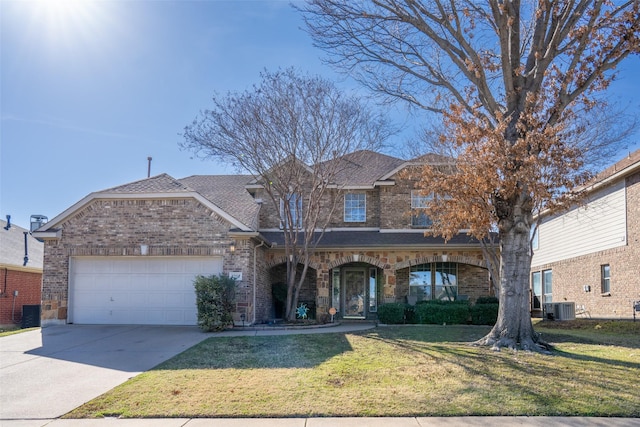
{"points": [[355, 207], [605, 278], [295, 209], [438, 280], [547, 286], [419, 203], [536, 287]]}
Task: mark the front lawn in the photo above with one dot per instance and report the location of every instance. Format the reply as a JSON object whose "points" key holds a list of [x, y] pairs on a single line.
{"points": [[423, 370]]}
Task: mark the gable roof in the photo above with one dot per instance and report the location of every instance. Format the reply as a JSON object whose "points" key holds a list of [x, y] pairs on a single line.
{"points": [[162, 183], [363, 168], [425, 159], [229, 193], [165, 186], [12, 249]]}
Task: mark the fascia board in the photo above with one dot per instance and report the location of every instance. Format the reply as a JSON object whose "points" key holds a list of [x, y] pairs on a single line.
{"points": [[47, 235], [13, 267], [350, 187], [398, 169], [413, 230], [409, 164], [132, 196], [619, 174]]}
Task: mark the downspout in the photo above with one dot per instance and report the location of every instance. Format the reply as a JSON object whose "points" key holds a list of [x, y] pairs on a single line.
{"points": [[26, 251], [255, 253]]}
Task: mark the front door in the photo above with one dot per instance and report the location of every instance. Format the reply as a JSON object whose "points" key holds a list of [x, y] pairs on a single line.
{"points": [[355, 287]]}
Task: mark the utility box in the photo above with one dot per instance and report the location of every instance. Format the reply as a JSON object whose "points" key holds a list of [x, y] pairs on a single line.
{"points": [[30, 316], [560, 310]]}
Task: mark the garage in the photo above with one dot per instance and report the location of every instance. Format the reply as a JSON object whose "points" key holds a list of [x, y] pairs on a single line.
{"points": [[136, 290]]}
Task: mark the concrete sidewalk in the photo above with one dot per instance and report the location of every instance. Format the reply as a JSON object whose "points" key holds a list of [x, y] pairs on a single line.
{"points": [[337, 422]]}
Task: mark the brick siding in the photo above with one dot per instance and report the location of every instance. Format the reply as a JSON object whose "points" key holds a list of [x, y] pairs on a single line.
{"points": [[170, 227], [393, 266], [28, 285]]}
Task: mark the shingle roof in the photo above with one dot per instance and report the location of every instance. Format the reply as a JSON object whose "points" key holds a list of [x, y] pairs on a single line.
{"points": [[364, 168], [162, 183], [12, 247], [228, 193]]}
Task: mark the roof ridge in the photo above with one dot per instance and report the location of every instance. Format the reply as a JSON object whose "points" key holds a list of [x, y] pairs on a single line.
{"points": [[158, 177]]}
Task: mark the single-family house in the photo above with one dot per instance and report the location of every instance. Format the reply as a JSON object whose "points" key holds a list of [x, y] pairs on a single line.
{"points": [[21, 258], [590, 254], [129, 254]]}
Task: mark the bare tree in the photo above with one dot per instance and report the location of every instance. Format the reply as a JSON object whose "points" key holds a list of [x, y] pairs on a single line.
{"points": [[287, 132], [514, 82]]}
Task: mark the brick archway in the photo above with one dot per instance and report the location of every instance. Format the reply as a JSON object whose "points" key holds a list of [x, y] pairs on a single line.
{"points": [[358, 258], [460, 259], [283, 260]]}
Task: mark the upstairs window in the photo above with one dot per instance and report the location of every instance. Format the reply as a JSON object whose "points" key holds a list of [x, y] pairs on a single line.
{"points": [[419, 203], [294, 202], [355, 207], [535, 241], [605, 278]]}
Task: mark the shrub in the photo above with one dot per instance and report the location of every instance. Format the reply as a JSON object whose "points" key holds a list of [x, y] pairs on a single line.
{"points": [[484, 314], [410, 314], [487, 300], [215, 297], [391, 313], [440, 312]]}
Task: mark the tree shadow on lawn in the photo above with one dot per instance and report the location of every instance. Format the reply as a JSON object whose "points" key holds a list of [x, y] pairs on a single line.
{"points": [[290, 351], [564, 382]]}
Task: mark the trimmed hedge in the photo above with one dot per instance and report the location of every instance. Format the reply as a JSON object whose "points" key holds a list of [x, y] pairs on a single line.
{"points": [[487, 300], [485, 311], [392, 313], [441, 312]]}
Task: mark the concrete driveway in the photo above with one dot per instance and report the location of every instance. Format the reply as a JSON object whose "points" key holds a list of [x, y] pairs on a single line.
{"points": [[48, 372]]}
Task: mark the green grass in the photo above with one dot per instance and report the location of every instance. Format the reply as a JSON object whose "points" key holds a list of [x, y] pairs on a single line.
{"points": [[421, 370], [14, 330]]}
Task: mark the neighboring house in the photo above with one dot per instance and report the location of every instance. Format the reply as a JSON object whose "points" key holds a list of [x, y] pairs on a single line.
{"points": [[20, 281], [590, 255], [129, 254]]}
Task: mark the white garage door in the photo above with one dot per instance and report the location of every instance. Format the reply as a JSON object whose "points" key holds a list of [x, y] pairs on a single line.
{"points": [[136, 291]]}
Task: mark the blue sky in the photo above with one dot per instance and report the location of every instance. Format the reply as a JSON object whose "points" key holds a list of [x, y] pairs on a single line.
{"points": [[90, 89]]}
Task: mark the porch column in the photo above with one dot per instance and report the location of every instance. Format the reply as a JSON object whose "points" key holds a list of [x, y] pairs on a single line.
{"points": [[323, 299]]}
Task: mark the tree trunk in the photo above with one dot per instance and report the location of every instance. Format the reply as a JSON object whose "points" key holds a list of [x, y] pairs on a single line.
{"points": [[292, 298], [514, 329]]}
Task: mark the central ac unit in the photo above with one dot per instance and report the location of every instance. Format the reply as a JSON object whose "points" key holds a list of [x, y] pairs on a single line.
{"points": [[560, 310]]}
